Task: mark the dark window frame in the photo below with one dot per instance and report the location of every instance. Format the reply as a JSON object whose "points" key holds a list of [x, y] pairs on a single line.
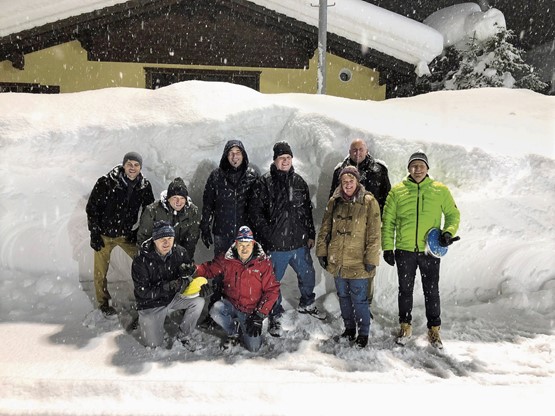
{"points": [[25, 87], [161, 77]]}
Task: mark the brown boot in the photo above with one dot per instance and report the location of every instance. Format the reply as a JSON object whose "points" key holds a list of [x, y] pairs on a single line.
{"points": [[434, 337]]}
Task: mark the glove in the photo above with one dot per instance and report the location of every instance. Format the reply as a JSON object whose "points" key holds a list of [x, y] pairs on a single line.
{"points": [[369, 267], [254, 324], [323, 260], [206, 237], [206, 290], [389, 257], [97, 242], [187, 269], [445, 239], [172, 286]]}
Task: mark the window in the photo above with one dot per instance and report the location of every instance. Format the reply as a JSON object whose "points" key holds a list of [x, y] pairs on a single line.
{"points": [[32, 88], [161, 77]]}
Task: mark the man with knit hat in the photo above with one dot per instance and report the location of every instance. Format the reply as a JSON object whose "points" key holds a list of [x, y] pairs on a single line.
{"points": [[176, 207], [113, 209], [281, 213], [250, 289], [161, 272], [412, 208]]}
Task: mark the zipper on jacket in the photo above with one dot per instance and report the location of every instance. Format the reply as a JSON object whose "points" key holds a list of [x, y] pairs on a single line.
{"points": [[417, 215]]}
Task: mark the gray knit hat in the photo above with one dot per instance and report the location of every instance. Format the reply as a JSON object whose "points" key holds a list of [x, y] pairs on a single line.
{"points": [[133, 156], [162, 229], [419, 156]]}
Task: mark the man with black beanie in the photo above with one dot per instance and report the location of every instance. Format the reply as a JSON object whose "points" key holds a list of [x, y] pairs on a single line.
{"points": [[112, 210]]}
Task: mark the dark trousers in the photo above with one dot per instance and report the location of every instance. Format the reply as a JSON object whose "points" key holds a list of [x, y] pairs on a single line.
{"points": [[407, 263]]}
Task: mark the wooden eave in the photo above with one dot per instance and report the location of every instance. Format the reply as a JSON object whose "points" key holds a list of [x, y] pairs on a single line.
{"points": [[294, 42]]}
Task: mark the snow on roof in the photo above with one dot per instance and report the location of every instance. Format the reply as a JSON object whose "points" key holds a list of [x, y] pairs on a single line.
{"points": [[371, 26], [366, 24], [460, 22]]}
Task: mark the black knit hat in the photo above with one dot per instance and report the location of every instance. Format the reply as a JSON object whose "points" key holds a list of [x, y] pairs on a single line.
{"points": [[162, 229], [133, 156], [177, 187], [419, 156], [282, 148]]}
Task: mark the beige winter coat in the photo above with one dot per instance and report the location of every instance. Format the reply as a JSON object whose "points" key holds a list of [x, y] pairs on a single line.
{"points": [[350, 235]]}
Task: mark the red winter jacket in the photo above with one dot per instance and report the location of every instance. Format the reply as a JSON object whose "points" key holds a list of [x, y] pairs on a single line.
{"points": [[250, 287]]}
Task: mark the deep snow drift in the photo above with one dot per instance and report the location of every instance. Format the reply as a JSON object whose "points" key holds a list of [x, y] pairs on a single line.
{"points": [[494, 148]]}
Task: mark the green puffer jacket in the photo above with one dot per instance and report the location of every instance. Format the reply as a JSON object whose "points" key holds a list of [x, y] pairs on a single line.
{"points": [[412, 209], [350, 235]]}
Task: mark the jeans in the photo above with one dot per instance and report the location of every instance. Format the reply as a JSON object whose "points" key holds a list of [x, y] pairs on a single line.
{"points": [[407, 263], [232, 322], [151, 320], [301, 262], [353, 301]]}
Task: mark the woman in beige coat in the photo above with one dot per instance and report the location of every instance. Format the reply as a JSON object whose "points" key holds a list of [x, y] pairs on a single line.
{"points": [[348, 247]]}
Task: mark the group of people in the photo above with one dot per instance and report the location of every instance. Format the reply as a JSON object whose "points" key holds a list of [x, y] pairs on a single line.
{"points": [[258, 226]]}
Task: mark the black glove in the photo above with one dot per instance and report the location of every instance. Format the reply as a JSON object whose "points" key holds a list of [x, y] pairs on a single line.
{"points": [[389, 257], [187, 269], [206, 237], [369, 267], [96, 242], [206, 290], [172, 286], [445, 239], [254, 324], [323, 260]]}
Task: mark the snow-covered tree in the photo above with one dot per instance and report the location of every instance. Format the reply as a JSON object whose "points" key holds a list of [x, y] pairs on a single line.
{"points": [[495, 62]]}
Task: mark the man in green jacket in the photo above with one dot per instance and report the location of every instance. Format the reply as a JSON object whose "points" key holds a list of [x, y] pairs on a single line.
{"points": [[412, 208]]}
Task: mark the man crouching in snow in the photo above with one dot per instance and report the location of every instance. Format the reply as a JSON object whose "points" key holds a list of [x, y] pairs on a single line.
{"points": [[160, 273], [250, 289]]}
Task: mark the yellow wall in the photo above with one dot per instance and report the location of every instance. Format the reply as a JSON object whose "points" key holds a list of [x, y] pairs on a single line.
{"points": [[66, 66]]}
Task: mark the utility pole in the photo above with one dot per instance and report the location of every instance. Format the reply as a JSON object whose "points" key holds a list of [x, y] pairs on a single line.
{"points": [[322, 45]]}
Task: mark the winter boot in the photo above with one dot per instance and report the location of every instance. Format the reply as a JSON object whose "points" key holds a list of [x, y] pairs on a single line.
{"points": [[107, 310], [312, 310], [404, 334], [230, 341], [361, 341], [434, 338], [274, 327], [349, 334]]}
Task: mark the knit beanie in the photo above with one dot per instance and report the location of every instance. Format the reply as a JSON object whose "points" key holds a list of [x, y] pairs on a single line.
{"points": [[162, 229], [177, 187], [351, 170], [282, 148], [419, 156], [244, 234], [133, 156]]}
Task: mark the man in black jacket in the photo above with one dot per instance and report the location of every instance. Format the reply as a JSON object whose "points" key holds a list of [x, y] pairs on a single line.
{"points": [[373, 172], [160, 275], [281, 212], [225, 198], [112, 210]]}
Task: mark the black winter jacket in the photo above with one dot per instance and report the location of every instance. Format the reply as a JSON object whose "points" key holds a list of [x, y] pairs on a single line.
{"points": [[226, 195], [281, 211], [152, 274], [373, 175], [111, 209]]}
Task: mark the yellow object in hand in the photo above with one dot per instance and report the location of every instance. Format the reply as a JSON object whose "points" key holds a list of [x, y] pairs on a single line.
{"points": [[193, 290]]}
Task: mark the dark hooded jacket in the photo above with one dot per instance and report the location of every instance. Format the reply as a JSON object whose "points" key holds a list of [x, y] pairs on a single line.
{"points": [[153, 273], [281, 211], [185, 222], [373, 175], [113, 208], [226, 195]]}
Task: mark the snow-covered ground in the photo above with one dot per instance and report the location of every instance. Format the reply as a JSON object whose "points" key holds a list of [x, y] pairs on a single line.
{"points": [[494, 148]]}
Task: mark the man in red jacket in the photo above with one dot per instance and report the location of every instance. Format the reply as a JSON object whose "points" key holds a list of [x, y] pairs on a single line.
{"points": [[250, 289]]}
